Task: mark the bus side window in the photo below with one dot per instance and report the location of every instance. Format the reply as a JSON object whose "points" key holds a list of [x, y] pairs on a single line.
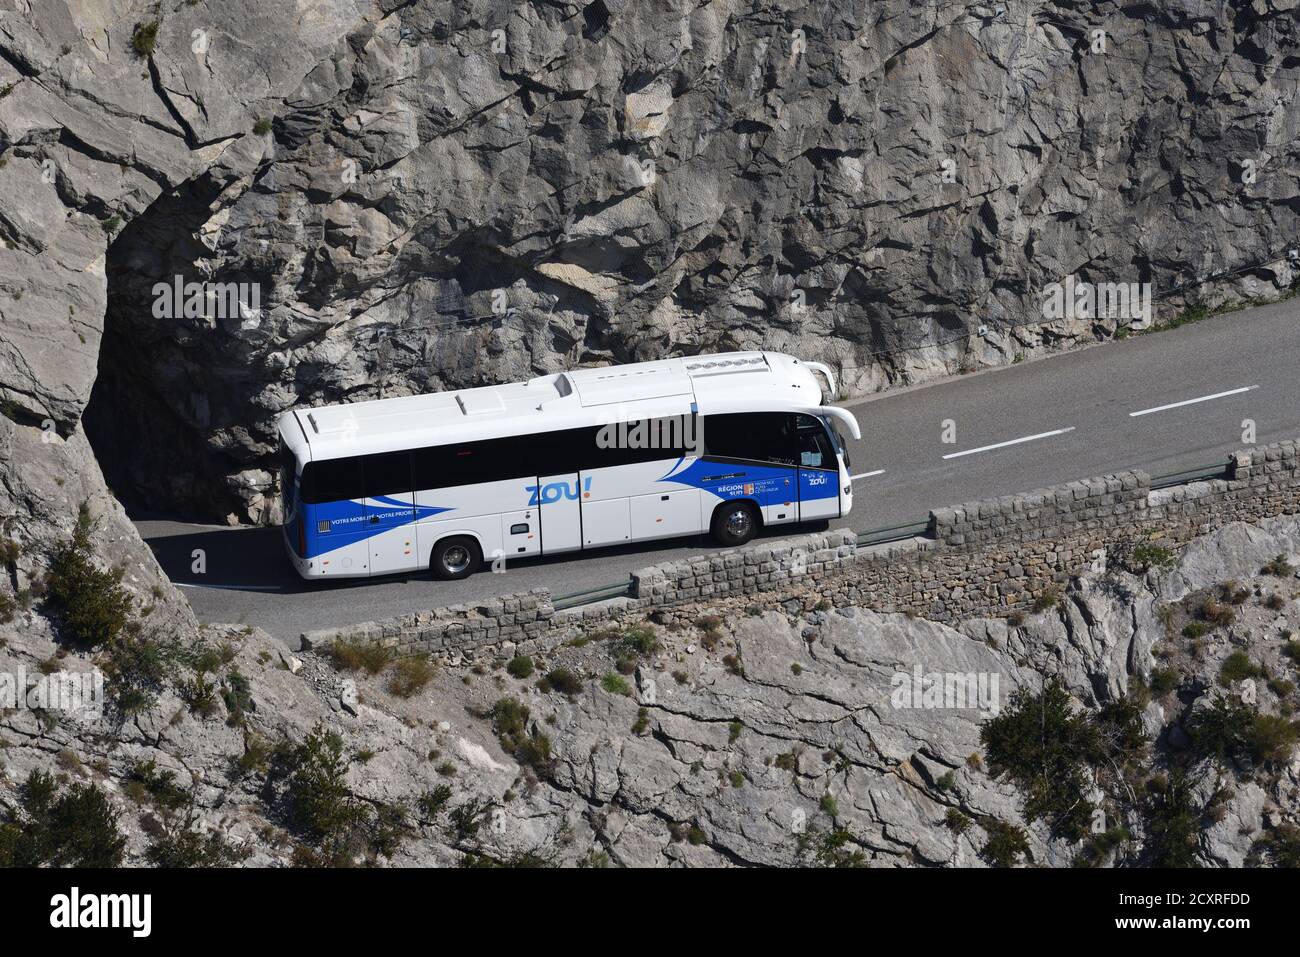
{"points": [[755, 436], [332, 481], [388, 474]]}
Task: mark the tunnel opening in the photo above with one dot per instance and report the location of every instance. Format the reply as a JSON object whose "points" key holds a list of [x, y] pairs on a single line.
{"points": [[157, 428]]}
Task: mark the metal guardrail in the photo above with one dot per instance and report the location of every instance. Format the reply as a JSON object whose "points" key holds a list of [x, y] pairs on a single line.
{"points": [[891, 533], [589, 595], [1199, 474]]}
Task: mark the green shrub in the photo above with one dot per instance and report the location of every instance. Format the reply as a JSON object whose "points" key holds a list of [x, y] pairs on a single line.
{"points": [[92, 604], [1147, 556], [1279, 567], [352, 655], [144, 38], [138, 667], [199, 694], [1279, 847], [832, 848], [642, 721], [708, 623], [1163, 681], [160, 786], [1172, 822], [510, 722], [262, 126], [256, 757], [1281, 686], [1195, 630], [1005, 844], [615, 684], [1272, 739], [1050, 598], [328, 814], [322, 804], [75, 829], [409, 675], [957, 822], [177, 843], [1237, 667], [639, 640], [1215, 613], [1044, 750], [1097, 847], [1231, 731], [520, 666], [562, 680], [432, 802]]}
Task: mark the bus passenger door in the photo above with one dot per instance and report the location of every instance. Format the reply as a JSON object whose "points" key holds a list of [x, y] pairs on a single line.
{"points": [[781, 499], [819, 472], [559, 515]]}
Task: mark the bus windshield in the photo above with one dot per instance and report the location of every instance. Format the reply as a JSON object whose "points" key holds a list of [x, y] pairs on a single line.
{"points": [[840, 445]]}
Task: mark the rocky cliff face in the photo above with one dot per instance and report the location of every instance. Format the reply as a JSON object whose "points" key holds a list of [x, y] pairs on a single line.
{"points": [[428, 195], [795, 737]]}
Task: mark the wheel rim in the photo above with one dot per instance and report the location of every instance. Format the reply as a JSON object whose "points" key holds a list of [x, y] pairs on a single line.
{"points": [[456, 559], [738, 523]]}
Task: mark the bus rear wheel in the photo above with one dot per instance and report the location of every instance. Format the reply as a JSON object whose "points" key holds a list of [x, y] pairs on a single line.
{"points": [[455, 558], [734, 524]]}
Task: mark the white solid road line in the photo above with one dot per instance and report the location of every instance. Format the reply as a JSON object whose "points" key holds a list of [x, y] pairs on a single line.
{"points": [[867, 474], [229, 587], [1003, 445], [1204, 398]]}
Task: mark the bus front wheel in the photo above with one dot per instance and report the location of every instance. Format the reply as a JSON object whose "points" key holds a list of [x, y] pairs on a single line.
{"points": [[455, 558], [735, 524]]}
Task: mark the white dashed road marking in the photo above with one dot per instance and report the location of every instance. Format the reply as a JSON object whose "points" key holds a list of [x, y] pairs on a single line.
{"points": [[867, 474], [1204, 398], [1003, 445]]}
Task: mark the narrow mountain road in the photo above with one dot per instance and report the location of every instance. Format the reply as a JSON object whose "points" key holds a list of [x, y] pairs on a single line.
{"points": [[1162, 402]]}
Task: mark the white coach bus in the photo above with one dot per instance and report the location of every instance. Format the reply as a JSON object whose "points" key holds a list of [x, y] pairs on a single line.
{"points": [[724, 443]]}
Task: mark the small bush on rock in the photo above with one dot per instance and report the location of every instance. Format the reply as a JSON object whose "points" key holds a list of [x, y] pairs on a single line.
{"points": [[90, 602]]}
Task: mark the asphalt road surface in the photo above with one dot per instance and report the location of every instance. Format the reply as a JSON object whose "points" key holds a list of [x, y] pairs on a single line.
{"points": [[1164, 402]]}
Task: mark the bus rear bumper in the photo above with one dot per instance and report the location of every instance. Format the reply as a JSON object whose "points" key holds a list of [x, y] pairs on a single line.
{"points": [[305, 567]]}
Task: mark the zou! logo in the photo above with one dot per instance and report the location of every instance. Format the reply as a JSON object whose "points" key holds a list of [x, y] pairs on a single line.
{"points": [[554, 491]]}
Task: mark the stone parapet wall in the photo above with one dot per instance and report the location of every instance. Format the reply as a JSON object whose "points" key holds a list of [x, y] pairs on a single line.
{"points": [[988, 558]]}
